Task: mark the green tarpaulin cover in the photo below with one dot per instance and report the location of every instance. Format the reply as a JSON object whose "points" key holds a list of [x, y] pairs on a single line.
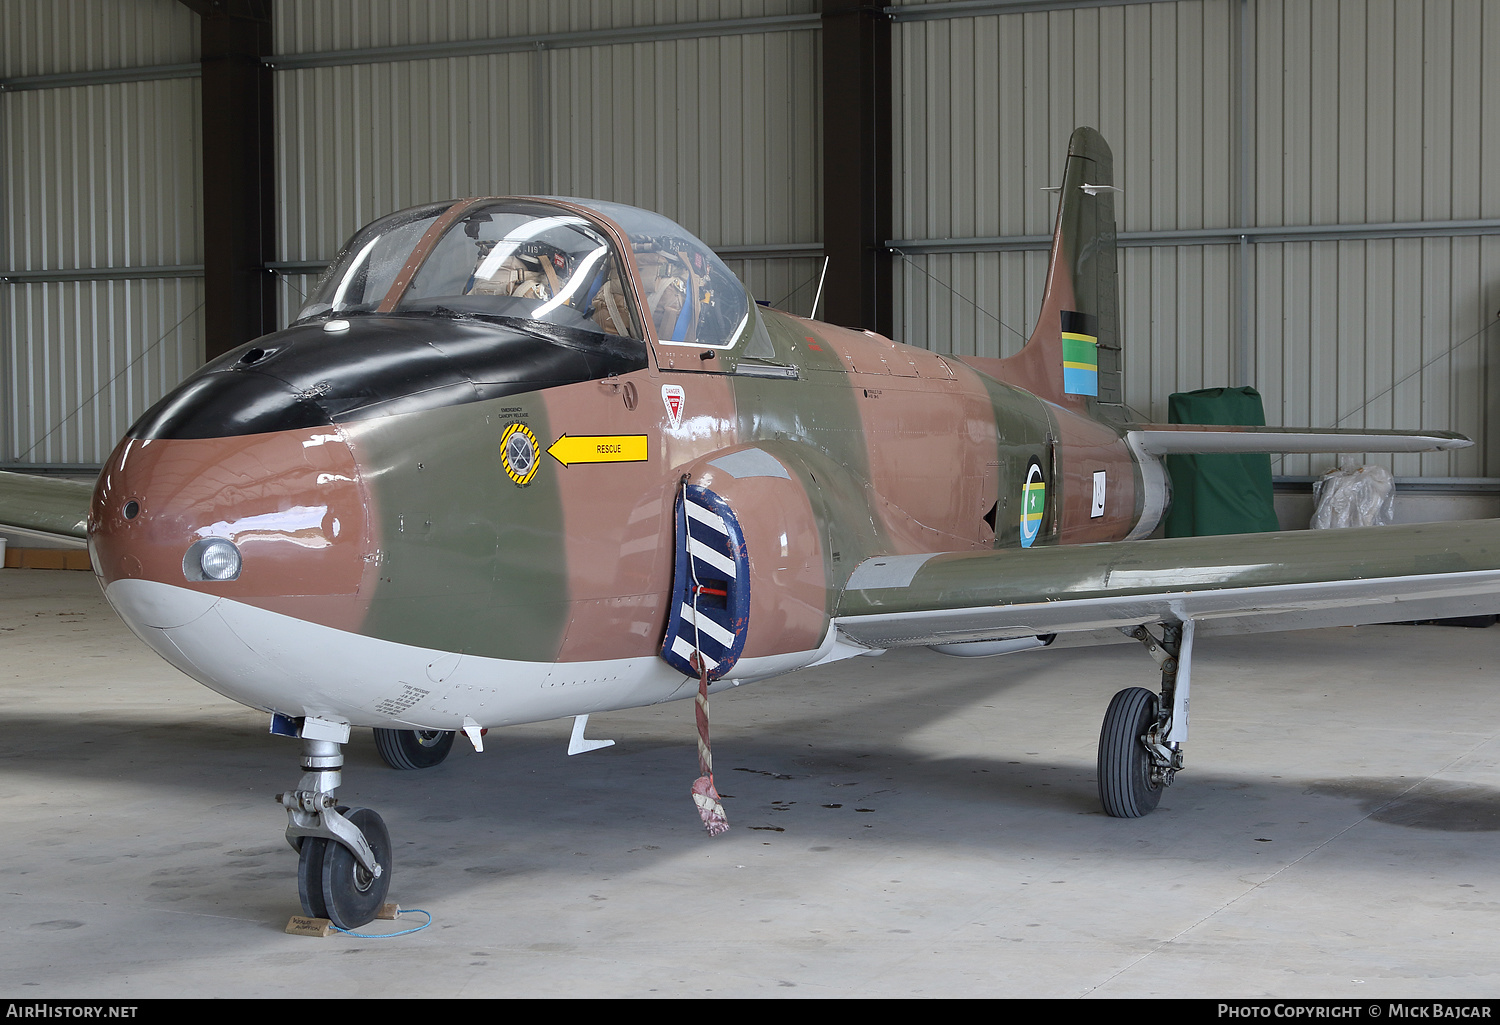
{"points": [[1219, 494]]}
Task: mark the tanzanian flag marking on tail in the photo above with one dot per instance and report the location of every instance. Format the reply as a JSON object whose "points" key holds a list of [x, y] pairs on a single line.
{"points": [[1080, 344]]}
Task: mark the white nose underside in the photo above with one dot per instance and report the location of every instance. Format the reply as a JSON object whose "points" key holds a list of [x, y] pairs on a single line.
{"points": [[279, 663], [145, 603]]}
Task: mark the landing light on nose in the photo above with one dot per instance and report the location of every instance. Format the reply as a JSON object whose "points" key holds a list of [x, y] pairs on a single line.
{"points": [[213, 558]]}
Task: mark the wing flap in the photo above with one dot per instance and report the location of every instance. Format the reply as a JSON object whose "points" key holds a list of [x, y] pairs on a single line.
{"points": [[1228, 584]]}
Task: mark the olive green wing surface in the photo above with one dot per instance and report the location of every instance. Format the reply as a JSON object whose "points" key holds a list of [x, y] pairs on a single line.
{"points": [[1207, 439], [1241, 583], [49, 507]]}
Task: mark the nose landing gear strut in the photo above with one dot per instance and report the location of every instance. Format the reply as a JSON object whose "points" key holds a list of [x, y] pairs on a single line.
{"points": [[344, 855]]}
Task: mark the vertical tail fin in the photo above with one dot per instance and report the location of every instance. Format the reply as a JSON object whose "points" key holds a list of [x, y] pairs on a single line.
{"points": [[1073, 357]]}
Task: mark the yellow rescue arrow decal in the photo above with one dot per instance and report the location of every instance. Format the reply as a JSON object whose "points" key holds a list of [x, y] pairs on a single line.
{"points": [[599, 448]]}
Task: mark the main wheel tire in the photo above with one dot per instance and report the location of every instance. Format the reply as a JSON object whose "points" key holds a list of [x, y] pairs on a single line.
{"points": [[351, 895], [413, 749], [1125, 786]]}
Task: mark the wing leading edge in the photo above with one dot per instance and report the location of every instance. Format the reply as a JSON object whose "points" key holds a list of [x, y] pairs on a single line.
{"points": [[1226, 584], [1205, 439], [46, 506]]}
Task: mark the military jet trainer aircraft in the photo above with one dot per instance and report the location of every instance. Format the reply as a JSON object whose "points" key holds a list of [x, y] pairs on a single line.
{"points": [[527, 458]]}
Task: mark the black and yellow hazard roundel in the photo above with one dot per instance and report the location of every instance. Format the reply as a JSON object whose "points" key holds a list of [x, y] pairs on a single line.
{"points": [[519, 452]]}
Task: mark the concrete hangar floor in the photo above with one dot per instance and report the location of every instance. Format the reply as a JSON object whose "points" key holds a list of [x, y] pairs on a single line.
{"points": [[912, 825]]}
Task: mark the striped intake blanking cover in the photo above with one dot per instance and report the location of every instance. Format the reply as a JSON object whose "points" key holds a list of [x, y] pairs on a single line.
{"points": [[710, 586]]}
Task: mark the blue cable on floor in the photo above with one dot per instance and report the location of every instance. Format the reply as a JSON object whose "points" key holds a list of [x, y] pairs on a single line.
{"points": [[393, 935]]}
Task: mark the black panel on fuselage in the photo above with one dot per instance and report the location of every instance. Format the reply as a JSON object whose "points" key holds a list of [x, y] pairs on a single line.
{"points": [[307, 376]]}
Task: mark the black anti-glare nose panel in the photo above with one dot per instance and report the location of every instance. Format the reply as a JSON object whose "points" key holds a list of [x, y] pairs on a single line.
{"points": [[383, 365]]}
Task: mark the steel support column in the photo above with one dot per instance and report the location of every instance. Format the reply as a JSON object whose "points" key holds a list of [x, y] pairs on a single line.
{"points": [[239, 183], [857, 193]]}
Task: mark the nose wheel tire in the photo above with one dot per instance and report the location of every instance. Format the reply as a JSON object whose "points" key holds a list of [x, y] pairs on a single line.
{"points": [[1125, 766], [334, 885], [413, 749], [310, 876]]}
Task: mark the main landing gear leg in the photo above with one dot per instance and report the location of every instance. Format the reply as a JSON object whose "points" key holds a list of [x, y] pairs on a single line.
{"points": [[344, 856], [1140, 746]]}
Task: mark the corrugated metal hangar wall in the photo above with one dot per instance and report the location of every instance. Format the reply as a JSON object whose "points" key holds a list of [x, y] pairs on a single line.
{"points": [[1311, 188]]}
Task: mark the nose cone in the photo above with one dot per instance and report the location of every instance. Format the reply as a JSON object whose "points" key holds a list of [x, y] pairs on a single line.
{"points": [[291, 502]]}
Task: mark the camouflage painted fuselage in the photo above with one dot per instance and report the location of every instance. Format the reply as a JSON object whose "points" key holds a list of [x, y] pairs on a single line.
{"points": [[456, 492], [493, 590]]}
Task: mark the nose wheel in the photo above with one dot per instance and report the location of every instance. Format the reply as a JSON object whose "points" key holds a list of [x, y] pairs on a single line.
{"points": [[334, 885], [343, 856]]}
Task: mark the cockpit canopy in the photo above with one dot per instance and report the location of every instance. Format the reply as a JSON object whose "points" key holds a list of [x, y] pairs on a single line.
{"points": [[539, 260]]}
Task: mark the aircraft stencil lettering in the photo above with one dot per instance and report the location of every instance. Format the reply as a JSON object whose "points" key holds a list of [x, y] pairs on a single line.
{"points": [[349, 523], [614, 448]]}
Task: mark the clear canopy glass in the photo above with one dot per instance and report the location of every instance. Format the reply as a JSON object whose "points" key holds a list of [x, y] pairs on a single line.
{"points": [[362, 273], [531, 260], [526, 260], [693, 297]]}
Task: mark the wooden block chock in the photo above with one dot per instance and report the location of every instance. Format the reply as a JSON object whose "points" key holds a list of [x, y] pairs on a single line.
{"points": [[301, 925]]}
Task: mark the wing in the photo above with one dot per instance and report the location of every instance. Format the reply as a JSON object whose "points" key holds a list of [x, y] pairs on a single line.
{"points": [[1239, 583], [45, 506], [1204, 439]]}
